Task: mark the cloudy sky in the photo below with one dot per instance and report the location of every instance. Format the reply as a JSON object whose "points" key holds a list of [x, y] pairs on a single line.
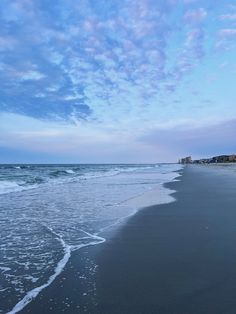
{"points": [[116, 81]]}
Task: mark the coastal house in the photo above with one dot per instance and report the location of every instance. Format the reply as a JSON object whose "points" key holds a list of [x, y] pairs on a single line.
{"points": [[224, 158], [217, 159]]}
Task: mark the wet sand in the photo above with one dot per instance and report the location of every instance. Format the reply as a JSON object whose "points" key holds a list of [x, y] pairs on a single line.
{"points": [[177, 258]]}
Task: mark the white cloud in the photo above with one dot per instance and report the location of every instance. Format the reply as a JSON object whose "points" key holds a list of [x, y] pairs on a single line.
{"points": [[31, 76], [121, 65], [53, 88], [73, 97], [55, 57], [7, 43], [40, 95]]}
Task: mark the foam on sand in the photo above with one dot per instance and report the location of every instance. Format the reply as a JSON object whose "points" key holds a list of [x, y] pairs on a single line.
{"points": [[32, 294]]}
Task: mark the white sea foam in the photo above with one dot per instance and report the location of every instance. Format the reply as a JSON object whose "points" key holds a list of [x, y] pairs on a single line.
{"points": [[4, 269], [33, 279], [70, 171], [9, 186], [32, 294], [158, 195], [110, 173], [2, 290]]}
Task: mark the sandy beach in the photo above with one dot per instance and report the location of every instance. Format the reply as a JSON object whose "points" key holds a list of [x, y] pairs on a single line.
{"points": [[117, 157], [174, 258]]}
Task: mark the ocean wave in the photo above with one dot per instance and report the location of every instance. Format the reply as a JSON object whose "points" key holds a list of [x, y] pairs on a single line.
{"points": [[4, 269], [12, 186], [14, 167], [58, 173], [9, 186], [113, 172], [70, 171], [26, 167], [16, 181], [34, 180]]}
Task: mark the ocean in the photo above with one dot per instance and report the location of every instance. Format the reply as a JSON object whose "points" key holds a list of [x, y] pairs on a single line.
{"points": [[49, 211]]}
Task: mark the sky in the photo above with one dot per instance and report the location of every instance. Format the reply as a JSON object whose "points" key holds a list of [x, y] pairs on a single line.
{"points": [[110, 81]]}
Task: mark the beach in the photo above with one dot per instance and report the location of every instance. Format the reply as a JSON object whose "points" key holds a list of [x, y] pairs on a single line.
{"points": [[117, 157], [171, 258], [49, 212]]}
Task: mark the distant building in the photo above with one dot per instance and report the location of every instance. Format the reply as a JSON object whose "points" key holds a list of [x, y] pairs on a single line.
{"points": [[186, 160], [232, 158]]}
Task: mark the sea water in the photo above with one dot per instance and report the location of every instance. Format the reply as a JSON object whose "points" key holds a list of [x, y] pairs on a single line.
{"points": [[48, 211]]}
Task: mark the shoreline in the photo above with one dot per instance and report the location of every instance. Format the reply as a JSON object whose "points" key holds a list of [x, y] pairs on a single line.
{"points": [[107, 234], [148, 196], [170, 258]]}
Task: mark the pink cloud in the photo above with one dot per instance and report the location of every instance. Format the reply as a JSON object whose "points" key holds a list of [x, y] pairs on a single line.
{"points": [[227, 33], [190, 1], [195, 34], [229, 17], [195, 16]]}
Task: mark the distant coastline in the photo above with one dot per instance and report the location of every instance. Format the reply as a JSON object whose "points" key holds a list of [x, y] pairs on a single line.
{"points": [[212, 160]]}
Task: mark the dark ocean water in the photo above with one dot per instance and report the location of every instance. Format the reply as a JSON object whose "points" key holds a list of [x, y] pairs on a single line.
{"points": [[48, 211]]}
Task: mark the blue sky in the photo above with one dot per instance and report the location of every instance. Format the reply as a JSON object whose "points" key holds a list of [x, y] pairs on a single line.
{"points": [[116, 81]]}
